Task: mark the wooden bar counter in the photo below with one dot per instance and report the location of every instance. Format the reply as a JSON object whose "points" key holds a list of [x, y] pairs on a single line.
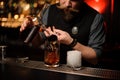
{"points": [[12, 69]]}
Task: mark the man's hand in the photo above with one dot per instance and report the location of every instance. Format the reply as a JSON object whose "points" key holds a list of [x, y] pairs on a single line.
{"points": [[63, 36], [26, 23]]}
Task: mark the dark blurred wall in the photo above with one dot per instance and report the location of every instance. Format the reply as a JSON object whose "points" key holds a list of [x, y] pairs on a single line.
{"points": [[113, 36], [110, 57], [114, 30]]}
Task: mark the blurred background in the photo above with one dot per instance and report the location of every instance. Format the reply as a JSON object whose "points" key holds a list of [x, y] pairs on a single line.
{"points": [[13, 12]]}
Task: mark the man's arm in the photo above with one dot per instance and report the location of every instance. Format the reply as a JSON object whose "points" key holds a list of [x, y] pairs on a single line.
{"points": [[96, 41]]}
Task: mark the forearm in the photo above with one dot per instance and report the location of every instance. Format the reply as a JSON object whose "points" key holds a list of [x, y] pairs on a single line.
{"points": [[88, 53]]}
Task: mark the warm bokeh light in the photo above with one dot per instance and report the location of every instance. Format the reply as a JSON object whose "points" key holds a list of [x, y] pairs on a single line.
{"points": [[99, 5], [16, 16], [112, 6]]}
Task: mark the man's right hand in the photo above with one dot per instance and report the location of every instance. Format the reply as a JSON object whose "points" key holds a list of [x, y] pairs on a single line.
{"points": [[26, 23]]}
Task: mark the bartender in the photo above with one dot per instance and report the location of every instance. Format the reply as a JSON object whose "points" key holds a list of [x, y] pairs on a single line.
{"points": [[77, 26]]}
